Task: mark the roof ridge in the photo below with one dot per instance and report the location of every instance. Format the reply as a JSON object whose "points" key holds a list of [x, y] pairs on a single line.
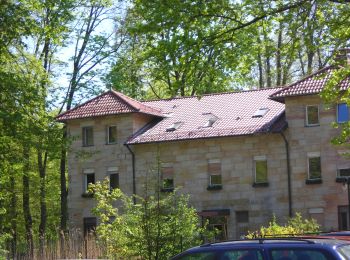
{"points": [[80, 105], [210, 94], [126, 99]]}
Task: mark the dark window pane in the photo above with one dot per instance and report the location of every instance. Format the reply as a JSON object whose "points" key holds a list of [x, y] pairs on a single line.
{"points": [[88, 136], [260, 171], [215, 180], [199, 256], [312, 115], [342, 113], [168, 183], [114, 180], [112, 134], [90, 178], [344, 172], [89, 225], [315, 168], [304, 254], [250, 254], [242, 216]]}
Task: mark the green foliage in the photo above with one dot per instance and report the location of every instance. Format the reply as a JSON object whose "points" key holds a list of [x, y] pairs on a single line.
{"points": [[156, 227], [295, 226], [332, 95]]}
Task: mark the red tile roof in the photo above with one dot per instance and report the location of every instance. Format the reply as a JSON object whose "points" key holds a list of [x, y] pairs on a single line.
{"points": [[310, 85], [109, 103], [234, 113]]}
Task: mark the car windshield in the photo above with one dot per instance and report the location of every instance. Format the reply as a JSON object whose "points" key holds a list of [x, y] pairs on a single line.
{"points": [[344, 251]]}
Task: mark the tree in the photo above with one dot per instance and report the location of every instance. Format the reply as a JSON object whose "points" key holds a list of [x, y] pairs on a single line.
{"points": [[157, 227], [184, 48], [92, 47]]}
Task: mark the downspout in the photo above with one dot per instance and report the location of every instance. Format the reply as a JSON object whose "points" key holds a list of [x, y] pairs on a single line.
{"points": [[133, 173], [288, 175]]}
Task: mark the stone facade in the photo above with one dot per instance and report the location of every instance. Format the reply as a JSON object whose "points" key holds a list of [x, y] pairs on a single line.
{"points": [[246, 206]]}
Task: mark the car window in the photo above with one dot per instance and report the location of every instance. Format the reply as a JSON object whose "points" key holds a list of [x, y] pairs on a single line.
{"points": [[298, 254], [344, 251], [251, 254], [198, 256]]}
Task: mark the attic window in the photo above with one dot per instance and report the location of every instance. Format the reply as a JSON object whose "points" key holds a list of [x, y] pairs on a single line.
{"points": [[174, 126], [261, 112], [211, 119]]}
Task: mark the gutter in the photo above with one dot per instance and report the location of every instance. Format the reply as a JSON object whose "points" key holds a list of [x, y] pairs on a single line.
{"points": [[288, 175], [133, 172]]}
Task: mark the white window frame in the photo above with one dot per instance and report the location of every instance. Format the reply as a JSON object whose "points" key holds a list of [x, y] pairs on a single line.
{"points": [[211, 184], [311, 155], [215, 184], [108, 128], [166, 176], [84, 136], [257, 159], [342, 168], [110, 171], [87, 172], [307, 115]]}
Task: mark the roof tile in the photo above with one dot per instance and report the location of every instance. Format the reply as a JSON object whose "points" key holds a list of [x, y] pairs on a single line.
{"points": [[109, 103], [310, 85], [233, 110]]}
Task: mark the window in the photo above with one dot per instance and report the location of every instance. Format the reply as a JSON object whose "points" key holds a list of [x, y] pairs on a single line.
{"points": [[242, 216], [113, 181], [242, 223], [217, 220], [260, 168], [89, 178], [89, 225], [113, 175], [167, 177], [314, 166], [214, 170], [261, 112], [174, 127], [211, 119], [111, 134], [342, 113], [243, 254], [88, 136], [312, 115], [298, 253], [343, 218], [344, 172]]}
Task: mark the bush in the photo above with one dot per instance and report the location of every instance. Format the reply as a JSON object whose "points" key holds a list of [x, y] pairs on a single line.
{"points": [[295, 226], [159, 226]]}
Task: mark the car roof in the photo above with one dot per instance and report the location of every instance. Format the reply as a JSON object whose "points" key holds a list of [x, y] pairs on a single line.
{"points": [[338, 233], [274, 242], [270, 243]]}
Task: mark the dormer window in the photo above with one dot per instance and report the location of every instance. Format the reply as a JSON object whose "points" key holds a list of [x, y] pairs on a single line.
{"points": [[261, 112], [174, 126]]}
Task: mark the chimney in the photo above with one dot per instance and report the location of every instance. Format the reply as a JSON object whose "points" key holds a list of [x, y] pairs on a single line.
{"points": [[342, 56]]}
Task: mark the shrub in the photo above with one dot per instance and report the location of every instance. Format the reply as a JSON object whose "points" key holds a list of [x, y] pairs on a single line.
{"points": [[295, 226]]}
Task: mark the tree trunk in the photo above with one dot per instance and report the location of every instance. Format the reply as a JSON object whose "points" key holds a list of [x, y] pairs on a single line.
{"points": [[64, 210], [43, 216], [260, 65], [278, 57], [28, 222], [13, 215]]}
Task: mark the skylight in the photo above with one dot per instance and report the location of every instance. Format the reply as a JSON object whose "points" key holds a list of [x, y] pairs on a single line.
{"points": [[174, 126], [211, 119], [261, 112]]}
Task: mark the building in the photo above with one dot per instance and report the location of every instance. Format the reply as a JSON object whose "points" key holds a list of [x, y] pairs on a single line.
{"points": [[241, 156]]}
